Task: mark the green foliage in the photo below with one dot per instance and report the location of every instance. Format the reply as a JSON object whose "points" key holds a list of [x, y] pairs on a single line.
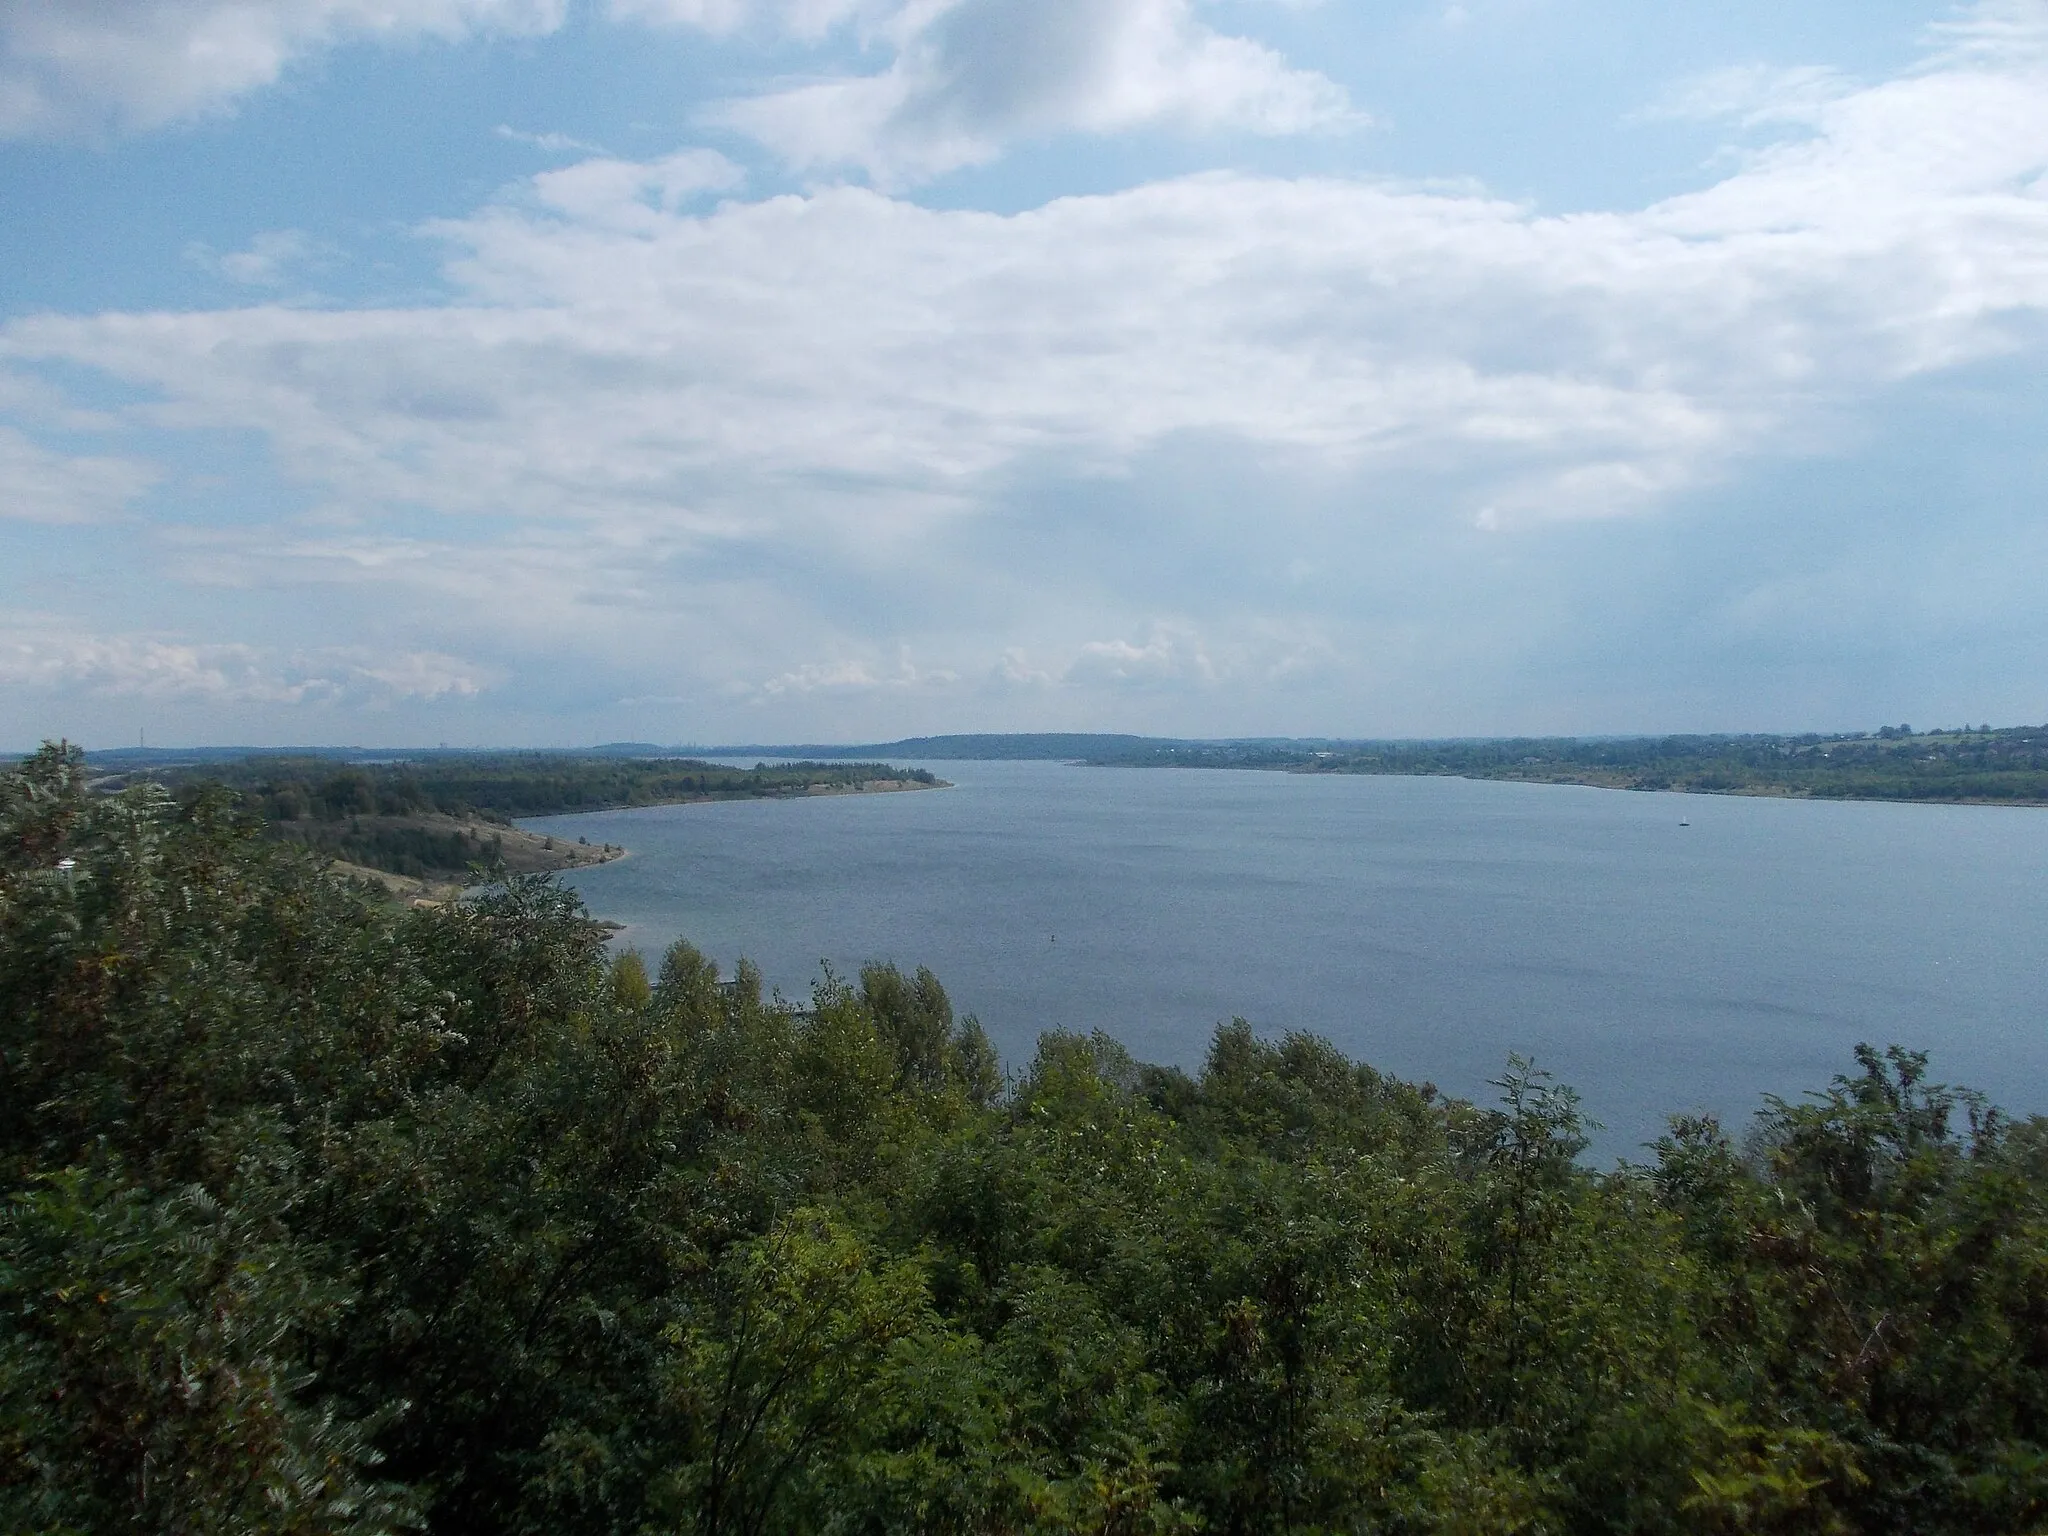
{"points": [[500, 786], [781, 1370], [146, 1377], [2005, 766], [321, 1216], [397, 816]]}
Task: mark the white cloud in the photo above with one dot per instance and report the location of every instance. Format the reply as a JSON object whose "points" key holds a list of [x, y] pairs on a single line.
{"points": [[39, 485], [804, 19], [853, 675], [411, 675], [42, 652], [1177, 656], [814, 676], [970, 76], [624, 357], [718, 17], [26, 397], [72, 67], [271, 259], [1756, 94], [1168, 656], [552, 143], [1995, 32], [762, 433], [628, 360], [1013, 670], [634, 195]]}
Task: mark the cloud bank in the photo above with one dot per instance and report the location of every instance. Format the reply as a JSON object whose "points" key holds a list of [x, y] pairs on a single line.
{"points": [[972, 76], [808, 447], [43, 652], [41, 486], [622, 354], [70, 68], [967, 77]]}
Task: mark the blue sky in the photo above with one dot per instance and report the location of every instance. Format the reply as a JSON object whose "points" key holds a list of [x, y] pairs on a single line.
{"points": [[508, 371]]}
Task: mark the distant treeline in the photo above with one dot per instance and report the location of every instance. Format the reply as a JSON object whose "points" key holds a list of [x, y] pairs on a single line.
{"points": [[1895, 763], [502, 787], [323, 1217], [401, 846], [990, 747], [389, 815]]}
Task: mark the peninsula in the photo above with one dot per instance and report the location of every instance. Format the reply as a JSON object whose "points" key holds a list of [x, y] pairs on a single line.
{"points": [[421, 827]]}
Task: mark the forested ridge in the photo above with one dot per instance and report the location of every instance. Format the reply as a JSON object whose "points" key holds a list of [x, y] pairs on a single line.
{"points": [[431, 817], [324, 1215], [501, 786], [1977, 765]]}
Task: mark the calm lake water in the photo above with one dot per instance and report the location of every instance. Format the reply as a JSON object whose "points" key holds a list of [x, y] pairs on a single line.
{"points": [[1429, 926]]}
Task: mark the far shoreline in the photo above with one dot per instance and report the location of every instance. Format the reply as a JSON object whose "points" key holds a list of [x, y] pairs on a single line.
{"points": [[540, 853], [810, 792], [1760, 792], [1747, 792]]}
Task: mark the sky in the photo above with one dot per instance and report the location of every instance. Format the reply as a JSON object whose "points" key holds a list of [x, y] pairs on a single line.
{"points": [[506, 372]]}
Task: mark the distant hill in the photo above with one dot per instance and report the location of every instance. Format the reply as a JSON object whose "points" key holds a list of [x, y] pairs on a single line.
{"points": [[1968, 764], [1057, 746], [1965, 764], [2008, 766], [127, 759]]}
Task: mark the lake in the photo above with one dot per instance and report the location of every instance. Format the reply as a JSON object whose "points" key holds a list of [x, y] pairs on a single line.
{"points": [[1427, 925]]}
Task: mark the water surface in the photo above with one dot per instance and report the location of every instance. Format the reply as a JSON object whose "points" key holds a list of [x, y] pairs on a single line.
{"points": [[1428, 925]]}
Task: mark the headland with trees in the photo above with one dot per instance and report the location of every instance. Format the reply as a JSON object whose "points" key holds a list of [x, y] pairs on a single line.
{"points": [[423, 826]]}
